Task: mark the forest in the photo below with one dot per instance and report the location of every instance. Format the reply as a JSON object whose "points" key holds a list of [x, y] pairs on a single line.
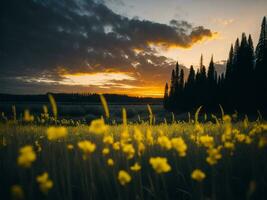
{"points": [[241, 88]]}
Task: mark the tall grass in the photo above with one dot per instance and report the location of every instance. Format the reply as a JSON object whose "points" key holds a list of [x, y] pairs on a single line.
{"points": [[240, 172]]}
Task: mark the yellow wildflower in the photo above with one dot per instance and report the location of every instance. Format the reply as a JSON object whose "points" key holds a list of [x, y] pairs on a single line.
{"points": [[108, 139], [198, 175], [70, 146], [141, 148], [262, 142], [165, 142], [125, 135], [124, 177], [116, 146], [45, 184], [199, 129], [149, 137], [110, 162], [17, 192], [229, 145], [206, 140], [240, 137], [138, 136], [227, 119], [128, 149], [179, 145], [98, 126], [135, 167], [27, 116], [87, 147], [105, 151], [214, 155], [27, 156], [54, 133], [160, 165]]}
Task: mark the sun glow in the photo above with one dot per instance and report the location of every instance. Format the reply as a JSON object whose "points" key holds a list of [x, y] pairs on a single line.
{"points": [[101, 79]]}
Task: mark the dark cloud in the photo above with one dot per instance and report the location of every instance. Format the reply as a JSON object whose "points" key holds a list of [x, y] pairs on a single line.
{"points": [[42, 38]]}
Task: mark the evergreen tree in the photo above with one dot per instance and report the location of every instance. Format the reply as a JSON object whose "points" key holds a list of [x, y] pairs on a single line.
{"points": [[172, 87], [243, 84], [181, 80], [211, 72], [229, 64], [166, 97], [261, 66], [191, 77], [171, 98]]}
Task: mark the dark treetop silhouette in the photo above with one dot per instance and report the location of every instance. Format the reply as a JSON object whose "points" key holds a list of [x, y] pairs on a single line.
{"points": [[243, 86]]}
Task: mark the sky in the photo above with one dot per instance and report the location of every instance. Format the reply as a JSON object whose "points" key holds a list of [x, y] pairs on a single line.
{"points": [[115, 46]]}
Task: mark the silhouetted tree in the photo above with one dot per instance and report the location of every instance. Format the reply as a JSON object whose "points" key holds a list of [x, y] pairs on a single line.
{"points": [[243, 86], [166, 97], [261, 66]]}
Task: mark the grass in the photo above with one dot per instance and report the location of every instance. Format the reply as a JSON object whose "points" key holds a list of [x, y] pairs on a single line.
{"points": [[231, 156]]}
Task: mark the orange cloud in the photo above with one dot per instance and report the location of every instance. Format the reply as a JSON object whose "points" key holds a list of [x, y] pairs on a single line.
{"points": [[195, 38]]}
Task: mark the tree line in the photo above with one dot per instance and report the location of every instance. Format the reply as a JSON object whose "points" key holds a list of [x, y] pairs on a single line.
{"points": [[242, 87], [78, 98]]}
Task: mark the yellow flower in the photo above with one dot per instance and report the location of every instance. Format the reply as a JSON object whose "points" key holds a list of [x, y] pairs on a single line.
{"points": [[105, 151], [214, 155], [116, 146], [164, 142], [27, 116], [141, 148], [179, 145], [149, 137], [17, 192], [98, 126], [199, 129], [198, 175], [262, 142], [227, 119], [206, 140], [124, 177], [87, 147], [45, 184], [54, 133], [108, 139], [135, 167], [138, 136], [229, 145], [26, 156], [70, 146], [160, 165], [110, 162], [128, 149], [240, 137]]}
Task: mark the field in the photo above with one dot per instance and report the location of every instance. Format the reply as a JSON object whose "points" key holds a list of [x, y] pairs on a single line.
{"points": [[47, 158], [89, 111]]}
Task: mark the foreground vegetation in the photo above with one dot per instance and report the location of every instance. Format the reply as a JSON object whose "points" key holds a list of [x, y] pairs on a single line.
{"points": [[218, 159]]}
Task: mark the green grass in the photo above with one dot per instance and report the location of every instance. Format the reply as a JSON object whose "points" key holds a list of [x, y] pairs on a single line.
{"points": [[233, 177]]}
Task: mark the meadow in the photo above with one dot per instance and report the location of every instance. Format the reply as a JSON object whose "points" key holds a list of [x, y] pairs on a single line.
{"points": [[218, 157]]}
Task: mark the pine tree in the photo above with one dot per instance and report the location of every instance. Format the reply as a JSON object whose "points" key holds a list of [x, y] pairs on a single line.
{"points": [[181, 80], [211, 72], [172, 87], [191, 76], [261, 66], [229, 65], [166, 97], [261, 49]]}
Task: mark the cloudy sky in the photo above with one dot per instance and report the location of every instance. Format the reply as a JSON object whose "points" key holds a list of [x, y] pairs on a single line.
{"points": [[115, 46]]}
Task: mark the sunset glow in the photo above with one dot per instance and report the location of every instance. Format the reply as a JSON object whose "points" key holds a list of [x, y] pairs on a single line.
{"points": [[105, 79]]}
